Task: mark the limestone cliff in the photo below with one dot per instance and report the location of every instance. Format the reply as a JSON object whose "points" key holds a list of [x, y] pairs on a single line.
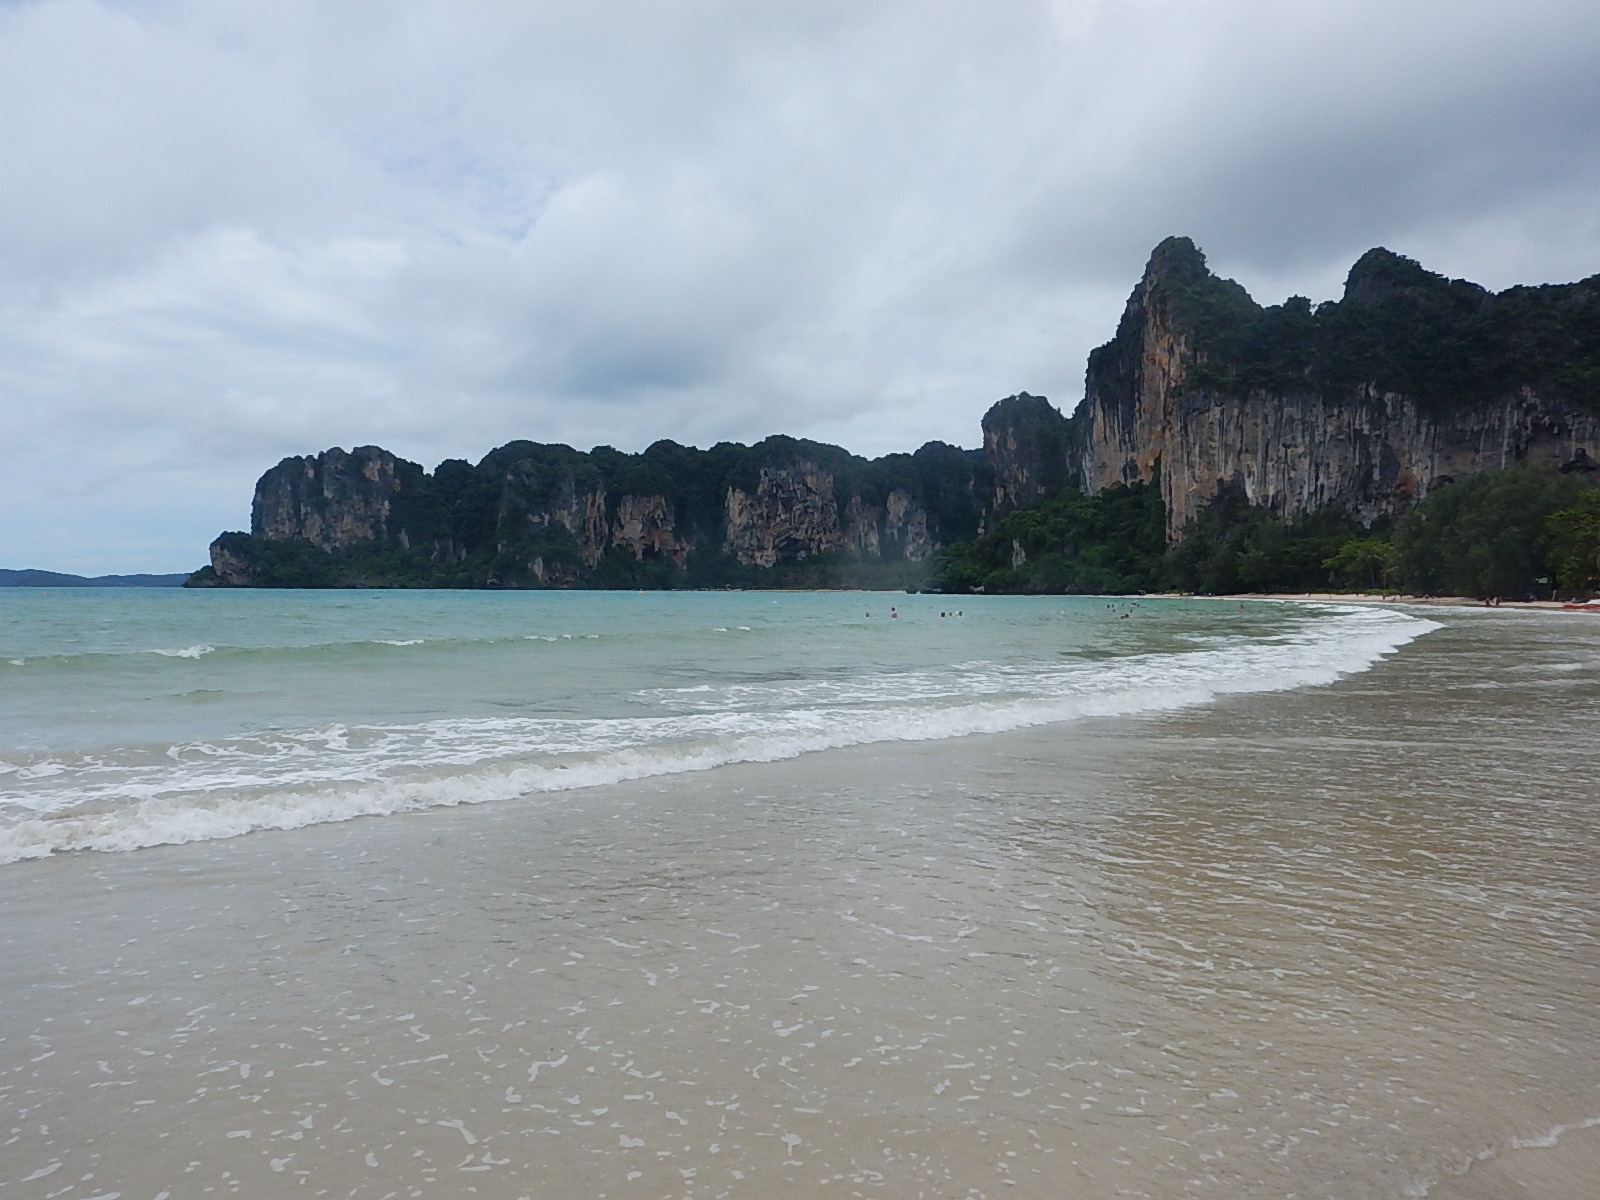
{"points": [[330, 500], [647, 525], [1367, 403], [793, 514], [1409, 381], [535, 515], [1025, 441]]}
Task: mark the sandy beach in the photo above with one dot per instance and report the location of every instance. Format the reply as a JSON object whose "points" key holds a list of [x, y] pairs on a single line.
{"points": [[1425, 601], [1336, 942]]}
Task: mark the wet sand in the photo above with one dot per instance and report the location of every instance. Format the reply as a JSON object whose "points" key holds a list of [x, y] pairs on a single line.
{"points": [[1336, 942], [1568, 1169]]}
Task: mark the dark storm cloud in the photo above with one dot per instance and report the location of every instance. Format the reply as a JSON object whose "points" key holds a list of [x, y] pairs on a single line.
{"points": [[234, 231]]}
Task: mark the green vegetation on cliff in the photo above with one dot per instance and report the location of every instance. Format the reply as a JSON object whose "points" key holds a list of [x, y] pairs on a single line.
{"points": [[1399, 328], [1235, 547], [297, 563], [1115, 542]]}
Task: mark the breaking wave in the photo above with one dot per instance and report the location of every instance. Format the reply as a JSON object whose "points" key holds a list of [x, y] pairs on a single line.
{"points": [[144, 796]]}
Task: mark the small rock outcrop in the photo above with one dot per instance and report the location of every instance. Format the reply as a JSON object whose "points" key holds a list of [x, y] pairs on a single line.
{"points": [[232, 561]]}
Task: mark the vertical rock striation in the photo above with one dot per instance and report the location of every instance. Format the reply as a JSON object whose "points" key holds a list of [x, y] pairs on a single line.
{"points": [[330, 500]]}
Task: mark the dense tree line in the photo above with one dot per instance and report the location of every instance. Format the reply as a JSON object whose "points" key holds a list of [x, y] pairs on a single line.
{"points": [[1517, 533], [296, 563]]}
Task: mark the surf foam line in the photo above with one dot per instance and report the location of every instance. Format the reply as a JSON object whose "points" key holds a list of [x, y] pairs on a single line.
{"points": [[207, 792], [1548, 1140]]}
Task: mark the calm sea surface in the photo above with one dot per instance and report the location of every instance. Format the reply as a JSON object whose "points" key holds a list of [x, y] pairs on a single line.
{"points": [[1281, 901]]}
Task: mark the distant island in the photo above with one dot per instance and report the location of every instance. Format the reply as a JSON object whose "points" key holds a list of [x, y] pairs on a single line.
{"points": [[1420, 432], [55, 579]]}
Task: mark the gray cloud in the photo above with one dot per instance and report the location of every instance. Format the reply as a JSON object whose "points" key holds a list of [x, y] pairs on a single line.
{"points": [[233, 232]]}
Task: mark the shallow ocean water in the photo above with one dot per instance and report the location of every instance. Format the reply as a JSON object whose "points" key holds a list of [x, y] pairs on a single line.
{"points": [[139, 717], [1337, 940]]}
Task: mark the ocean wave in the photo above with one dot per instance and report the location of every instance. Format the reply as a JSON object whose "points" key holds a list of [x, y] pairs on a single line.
{"points": [[1552, 1136], [186, 652], [284, 653], [290, 779]]}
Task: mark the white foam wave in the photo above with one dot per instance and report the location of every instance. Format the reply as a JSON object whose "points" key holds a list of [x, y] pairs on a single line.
{"points": [[285, 780], [1552, 1136], [1547, 1140], [185, 652]]}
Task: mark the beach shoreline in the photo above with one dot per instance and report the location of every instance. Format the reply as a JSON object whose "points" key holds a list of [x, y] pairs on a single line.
{"points": [[1420, 601], [1316, 938]]}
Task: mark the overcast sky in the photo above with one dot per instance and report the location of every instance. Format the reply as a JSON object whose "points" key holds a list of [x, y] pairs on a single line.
{"points": [[237, 230]]}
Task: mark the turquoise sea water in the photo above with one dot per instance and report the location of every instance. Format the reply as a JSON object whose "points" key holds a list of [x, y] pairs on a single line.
{"points": [[134, 718]]}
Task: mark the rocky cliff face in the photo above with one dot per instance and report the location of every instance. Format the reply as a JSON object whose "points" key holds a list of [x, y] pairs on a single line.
{"points": [[794, 515], [1025, 441], [646, 525], [1409, 381], [330, 500], [549, 516], [1375, 454], [791, 514]]}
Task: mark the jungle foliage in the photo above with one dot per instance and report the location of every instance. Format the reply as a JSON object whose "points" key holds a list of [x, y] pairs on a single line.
{"points": [[1399, 328], [1110, 542], [1517, 534]]}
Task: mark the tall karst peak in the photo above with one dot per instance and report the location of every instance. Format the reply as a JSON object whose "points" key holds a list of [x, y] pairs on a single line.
{"points": [[1176, 258], [1380, 273], [1179, 293]]}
